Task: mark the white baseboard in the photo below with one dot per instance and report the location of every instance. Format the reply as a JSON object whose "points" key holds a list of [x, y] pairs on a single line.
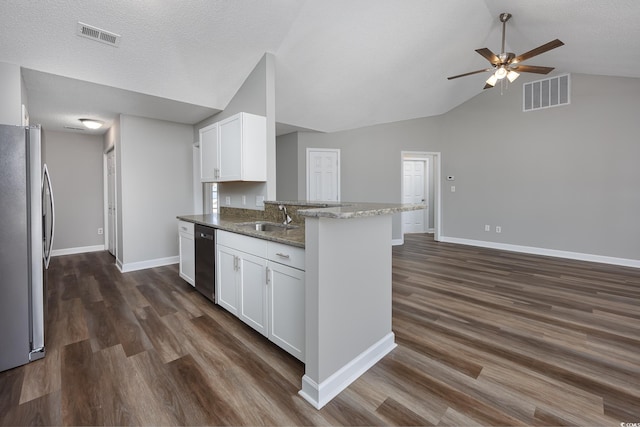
{"points": [[141, 265], [397, 242], [545, 252], [79, 250], [320, 394]]}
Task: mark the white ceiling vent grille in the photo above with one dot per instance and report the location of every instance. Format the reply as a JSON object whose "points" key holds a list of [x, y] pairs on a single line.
{"points": [[546, 93], [93, 33]]}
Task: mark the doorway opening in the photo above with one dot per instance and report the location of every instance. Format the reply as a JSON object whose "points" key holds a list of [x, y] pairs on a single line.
{"points": [[420, 183]]}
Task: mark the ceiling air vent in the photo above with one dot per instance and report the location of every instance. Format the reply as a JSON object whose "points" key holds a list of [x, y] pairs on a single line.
{"points": [[546, 93], [93, 33]]}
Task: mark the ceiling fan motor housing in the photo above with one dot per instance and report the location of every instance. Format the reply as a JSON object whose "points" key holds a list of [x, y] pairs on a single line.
{"points": [[504, 17]]}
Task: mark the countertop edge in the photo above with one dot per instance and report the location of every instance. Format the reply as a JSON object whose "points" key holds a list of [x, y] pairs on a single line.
{"points": [[359, 210], [214, 221]]}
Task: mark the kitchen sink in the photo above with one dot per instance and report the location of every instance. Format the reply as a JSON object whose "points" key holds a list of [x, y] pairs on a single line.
{"points": [[266, 226]]}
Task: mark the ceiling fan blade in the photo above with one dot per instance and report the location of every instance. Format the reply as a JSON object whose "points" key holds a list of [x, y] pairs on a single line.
{"points": [[469, 73], [533, 69], [537, 51], [490, 56], [487, 86]]}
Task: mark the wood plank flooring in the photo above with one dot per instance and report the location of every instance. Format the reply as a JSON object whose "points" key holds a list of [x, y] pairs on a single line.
{"points": [[484, 338]]}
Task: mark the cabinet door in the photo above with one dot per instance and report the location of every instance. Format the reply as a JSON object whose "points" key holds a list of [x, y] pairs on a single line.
{"points": [[253, 292], [230, 148], [226, 278], [187, 258], [209, 158], [287, 308]]}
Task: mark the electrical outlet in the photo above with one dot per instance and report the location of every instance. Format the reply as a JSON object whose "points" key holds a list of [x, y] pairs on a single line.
{"points": [[260, 201], [498, 229], [453, 188], [227, 200], [487, 227], [100, 231]]}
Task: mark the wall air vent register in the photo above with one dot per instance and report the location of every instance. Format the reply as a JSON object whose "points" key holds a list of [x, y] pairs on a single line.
{"points": [[94, 33], [546, 93]]}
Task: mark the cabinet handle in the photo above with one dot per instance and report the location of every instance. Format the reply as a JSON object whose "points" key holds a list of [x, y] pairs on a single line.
{"points": [[184, 228], [235, 263], [283, 255], [267, 270]]}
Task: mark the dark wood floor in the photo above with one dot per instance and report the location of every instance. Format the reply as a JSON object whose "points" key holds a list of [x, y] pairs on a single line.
{"points": [[485, 338]]}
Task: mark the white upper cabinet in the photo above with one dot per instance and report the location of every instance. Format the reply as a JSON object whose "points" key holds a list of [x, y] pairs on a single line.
{"points": [[234, 149], [209, 168]]}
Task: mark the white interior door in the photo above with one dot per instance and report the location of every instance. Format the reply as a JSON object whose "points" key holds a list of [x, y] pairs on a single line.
{"points": [[111, 198], [323, 175], [414, 186]]}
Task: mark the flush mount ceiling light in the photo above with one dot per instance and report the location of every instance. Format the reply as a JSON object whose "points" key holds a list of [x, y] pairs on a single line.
{"points": [[91, 124], [507, 64]]}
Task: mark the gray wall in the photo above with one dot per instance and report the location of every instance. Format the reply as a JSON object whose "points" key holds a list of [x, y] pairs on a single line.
{"points": [[371, 159], [287, 167], [75, 163], [564, 178], [154, 187], [10, 94], [255, 96]]}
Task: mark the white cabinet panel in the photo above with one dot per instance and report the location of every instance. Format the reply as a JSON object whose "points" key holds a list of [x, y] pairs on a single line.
{"points": [[209, 160], [253, 292], [231, 146], [286, 254], [287, 310], [187, 251], [227, 278]]}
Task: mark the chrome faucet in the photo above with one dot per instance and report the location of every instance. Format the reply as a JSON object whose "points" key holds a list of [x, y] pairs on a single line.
{"points": [[285, 216]]}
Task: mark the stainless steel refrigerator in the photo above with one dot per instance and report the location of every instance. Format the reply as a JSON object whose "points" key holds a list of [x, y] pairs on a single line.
{"points": [[26, 236]]}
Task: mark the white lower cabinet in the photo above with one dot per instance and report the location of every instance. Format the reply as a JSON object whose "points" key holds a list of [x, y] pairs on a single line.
{"points": [[187, 251], [227, 278], [256, 286], [286, 300], [253, 308]]}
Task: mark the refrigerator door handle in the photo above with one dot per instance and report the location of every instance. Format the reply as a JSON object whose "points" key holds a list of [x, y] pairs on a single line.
{"points": [[46, 177]]}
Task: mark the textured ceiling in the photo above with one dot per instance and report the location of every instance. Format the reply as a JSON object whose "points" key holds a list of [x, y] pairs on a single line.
{"points": [[340, 64]]}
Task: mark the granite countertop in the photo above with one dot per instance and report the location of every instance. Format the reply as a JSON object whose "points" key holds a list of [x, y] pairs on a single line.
{"points": [[296, 236], [290, 236], [348, 210]]}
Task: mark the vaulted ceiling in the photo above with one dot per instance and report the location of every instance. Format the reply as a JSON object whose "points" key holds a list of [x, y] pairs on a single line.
{"points": [[340, 64]]}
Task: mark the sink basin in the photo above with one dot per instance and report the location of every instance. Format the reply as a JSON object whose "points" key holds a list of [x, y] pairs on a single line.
{"points": [[267, 226]]}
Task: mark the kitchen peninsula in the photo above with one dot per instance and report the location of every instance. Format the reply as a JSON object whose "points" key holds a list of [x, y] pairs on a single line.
{"points": [[347, 286]]}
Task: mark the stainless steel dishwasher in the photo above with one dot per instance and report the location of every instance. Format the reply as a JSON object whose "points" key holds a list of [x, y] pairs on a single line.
{"points": [[205, 261]]}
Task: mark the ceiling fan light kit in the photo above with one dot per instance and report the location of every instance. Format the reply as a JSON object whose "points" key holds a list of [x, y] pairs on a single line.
{"points": [[507, 64]]}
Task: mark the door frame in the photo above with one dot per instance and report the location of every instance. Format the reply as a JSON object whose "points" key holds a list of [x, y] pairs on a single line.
{"points": [[437, 190], [105, 187], [332, 150]]}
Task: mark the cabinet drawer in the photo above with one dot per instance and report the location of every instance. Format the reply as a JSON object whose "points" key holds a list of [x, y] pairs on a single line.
{"points": [[242, 243], [185, 227], [285, 254]]}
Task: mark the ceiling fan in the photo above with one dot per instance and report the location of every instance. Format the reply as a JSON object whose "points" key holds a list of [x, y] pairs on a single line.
{"points": [[507, 64]]}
